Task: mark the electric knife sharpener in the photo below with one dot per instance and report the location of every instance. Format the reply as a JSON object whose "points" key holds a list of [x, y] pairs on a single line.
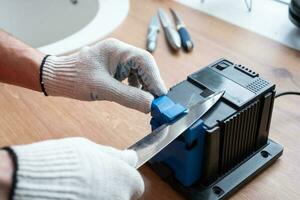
{"points": [[229, 145]]}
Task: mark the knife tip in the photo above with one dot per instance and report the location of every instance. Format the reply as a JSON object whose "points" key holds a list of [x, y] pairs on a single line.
{"points": [[220, 93]]}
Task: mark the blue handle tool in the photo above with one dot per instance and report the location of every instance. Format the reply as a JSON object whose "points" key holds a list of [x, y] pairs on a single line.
{"points": [[185, 37]]}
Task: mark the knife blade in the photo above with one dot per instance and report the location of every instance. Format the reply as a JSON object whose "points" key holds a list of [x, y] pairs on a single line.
{"points": [[154, 142], [171, 34], [152, 34]]}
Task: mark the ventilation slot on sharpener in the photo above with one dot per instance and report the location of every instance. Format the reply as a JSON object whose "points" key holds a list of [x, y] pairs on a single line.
{"points": [[239, 137], [246, 70], [257, 85]]}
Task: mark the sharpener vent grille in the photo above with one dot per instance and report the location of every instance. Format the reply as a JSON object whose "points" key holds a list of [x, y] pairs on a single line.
{"points": [[257, 85], [239, 137]]}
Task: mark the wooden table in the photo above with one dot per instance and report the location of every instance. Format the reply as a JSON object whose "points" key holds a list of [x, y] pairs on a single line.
{"points": [[28, 116]]}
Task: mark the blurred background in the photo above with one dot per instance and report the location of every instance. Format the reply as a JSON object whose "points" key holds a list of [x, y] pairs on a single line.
{"points": [[66, 25]]}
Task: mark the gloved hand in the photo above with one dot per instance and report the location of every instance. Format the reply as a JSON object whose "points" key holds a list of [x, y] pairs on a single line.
{"points": [[96, 72], [75, 168]]}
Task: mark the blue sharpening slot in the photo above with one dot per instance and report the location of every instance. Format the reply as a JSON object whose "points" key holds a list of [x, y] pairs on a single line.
{"points": [[184, 155], [164, 110]]}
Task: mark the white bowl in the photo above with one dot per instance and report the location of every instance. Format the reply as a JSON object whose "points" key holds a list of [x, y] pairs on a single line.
{"points": [[61, 26]]}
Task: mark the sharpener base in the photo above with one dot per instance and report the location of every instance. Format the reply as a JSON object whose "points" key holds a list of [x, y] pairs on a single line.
{"points": [[226, 185]]}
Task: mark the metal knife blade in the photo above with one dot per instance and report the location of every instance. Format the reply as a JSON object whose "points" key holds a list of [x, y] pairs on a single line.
{"points": [[152, 34], [154, 22], [178, 21], [150, 145], [171, 34], [164, 18]]}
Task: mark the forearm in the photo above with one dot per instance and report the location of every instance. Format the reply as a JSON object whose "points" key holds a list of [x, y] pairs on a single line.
{"points": [[6, 173], [19, 63]]}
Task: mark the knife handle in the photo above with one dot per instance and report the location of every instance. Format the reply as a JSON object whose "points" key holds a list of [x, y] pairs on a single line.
{"points": [[152, 39], [173, 38], [186, 41]]}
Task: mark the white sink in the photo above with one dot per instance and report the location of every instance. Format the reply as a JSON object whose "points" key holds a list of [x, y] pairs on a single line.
{"points": [[61, 26]]}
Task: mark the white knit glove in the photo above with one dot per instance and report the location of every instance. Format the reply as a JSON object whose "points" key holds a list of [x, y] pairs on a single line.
{"points": [[75, 169], [96, 72]]}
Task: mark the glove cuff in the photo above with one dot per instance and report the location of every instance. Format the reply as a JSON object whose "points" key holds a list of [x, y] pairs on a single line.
{"points": [[58, 75], [47, 172]]}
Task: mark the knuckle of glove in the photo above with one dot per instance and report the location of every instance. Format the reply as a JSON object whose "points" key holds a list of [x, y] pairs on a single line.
{"points": [[144, 57], [77, 142], [110, 43], [151, 80]]}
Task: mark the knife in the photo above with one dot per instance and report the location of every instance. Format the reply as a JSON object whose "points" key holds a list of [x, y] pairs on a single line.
{"points": [[185, 37], [171, 34], [152, 34], [154, 142]]}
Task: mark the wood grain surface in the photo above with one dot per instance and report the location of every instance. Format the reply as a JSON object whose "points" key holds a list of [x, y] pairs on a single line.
{"points": [[28, 116]]}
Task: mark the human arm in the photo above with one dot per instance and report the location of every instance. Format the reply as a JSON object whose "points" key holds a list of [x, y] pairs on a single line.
{"points": [[93, 73], [6, 174], [19, 63]]}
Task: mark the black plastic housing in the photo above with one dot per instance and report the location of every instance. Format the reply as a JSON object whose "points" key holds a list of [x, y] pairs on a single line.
{"points": [[237, 127]]}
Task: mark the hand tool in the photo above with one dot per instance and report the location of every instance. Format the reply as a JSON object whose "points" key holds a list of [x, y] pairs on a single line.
{"points": [[171, 34], [185, 37], [152, 34], [150, 145]]}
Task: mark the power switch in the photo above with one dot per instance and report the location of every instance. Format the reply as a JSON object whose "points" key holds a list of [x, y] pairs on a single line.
{"points": [[222, 65]]}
